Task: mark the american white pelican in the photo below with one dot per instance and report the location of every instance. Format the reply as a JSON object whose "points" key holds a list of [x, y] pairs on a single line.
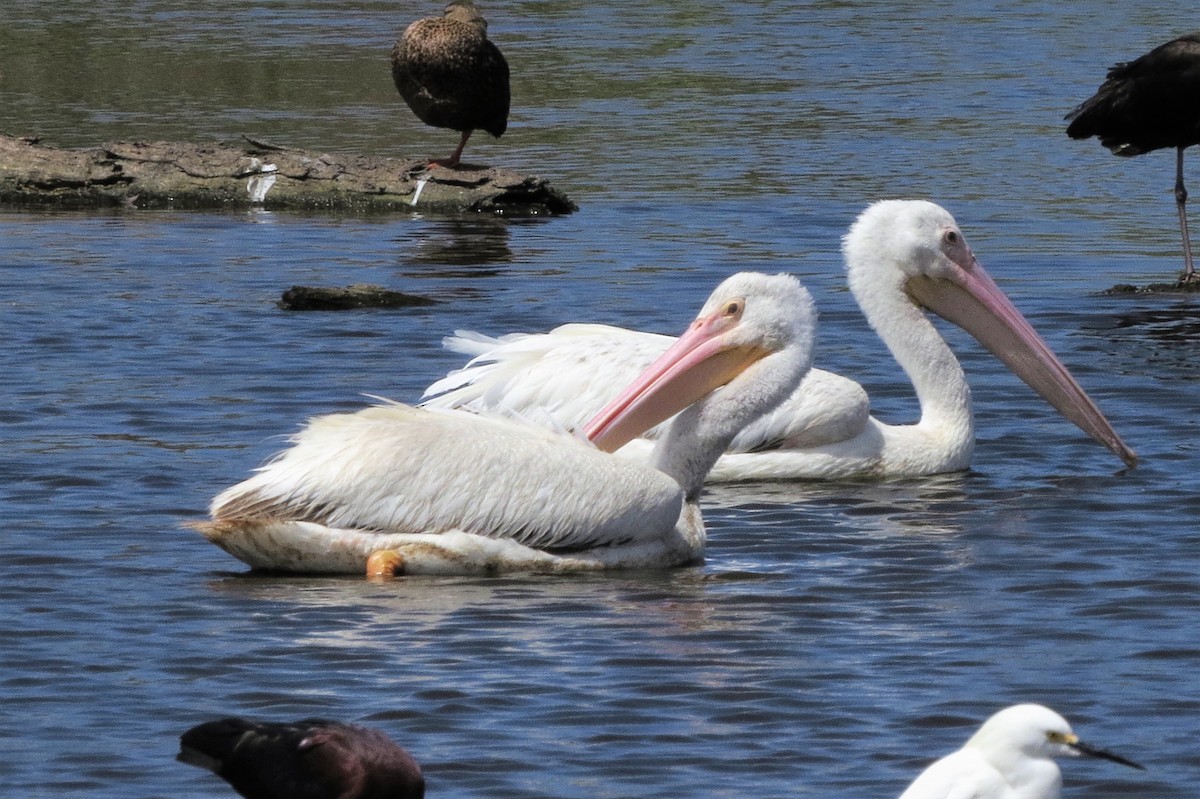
{"points": [[308, 758], [902, 256], [444, 491], [1010, 757]]}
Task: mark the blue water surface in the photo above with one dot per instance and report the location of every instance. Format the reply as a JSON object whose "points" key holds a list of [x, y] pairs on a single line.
{"points": [[838, 637]]}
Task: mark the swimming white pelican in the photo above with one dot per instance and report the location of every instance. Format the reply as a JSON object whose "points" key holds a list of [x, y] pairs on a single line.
{"points": [[902, 256], [1010, 757], [449, 492]]}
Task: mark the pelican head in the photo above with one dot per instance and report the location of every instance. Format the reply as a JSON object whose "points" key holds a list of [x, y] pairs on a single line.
{"points": [[744, 353], [914, 250]]}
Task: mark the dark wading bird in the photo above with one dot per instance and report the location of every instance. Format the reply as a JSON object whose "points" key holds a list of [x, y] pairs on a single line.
{"points": [[451, 75], [309, 759], [1147, 104]]}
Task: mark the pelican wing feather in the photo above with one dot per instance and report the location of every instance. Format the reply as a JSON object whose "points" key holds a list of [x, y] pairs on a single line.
{"points": [[397, 469], [569, 373]]}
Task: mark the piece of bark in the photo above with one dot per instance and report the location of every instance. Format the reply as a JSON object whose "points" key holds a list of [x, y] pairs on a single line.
{"points": [[1178, 287], [359, 295], [208, 176]]}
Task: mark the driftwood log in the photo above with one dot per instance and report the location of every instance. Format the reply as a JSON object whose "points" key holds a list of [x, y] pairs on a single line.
{"points": [[253, 174], [1129, 290], [358, 295]]}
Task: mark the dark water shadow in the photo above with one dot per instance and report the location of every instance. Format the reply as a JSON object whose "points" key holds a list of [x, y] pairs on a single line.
{"points": [[459, 247]]}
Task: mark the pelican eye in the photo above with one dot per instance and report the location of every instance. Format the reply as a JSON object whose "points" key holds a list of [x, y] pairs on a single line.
{"points": [[952, 237], [734, 308]]}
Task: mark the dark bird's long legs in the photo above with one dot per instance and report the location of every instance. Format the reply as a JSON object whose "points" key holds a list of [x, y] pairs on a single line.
{"points": [[1189, 272]]}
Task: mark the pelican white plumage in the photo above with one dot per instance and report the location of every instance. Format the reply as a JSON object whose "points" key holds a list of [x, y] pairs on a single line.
{"points": [[902, 256], [1010, 757], [444, 491]]}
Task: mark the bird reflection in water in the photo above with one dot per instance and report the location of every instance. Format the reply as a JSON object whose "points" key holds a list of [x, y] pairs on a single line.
{"points": [[476, 242]]}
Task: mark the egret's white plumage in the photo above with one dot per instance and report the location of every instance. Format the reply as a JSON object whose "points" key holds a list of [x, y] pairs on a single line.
{"points": [[457, 492], [902, 256], [1010, 757]]}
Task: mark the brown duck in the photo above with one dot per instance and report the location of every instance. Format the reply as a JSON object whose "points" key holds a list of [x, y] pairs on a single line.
{"points": [[309, 759], [451, 75]]}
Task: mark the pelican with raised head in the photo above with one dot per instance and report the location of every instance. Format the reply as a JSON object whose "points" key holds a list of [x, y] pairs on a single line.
{"points": [[902, 257], [444, 491]]}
